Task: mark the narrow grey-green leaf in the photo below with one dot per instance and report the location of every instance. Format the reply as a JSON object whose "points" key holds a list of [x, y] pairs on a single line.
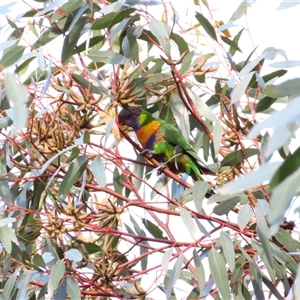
{"points": [[256, 282], [73, 289], [228, 249], [199, 190], [217, 136], [278, 118], [160, 32], [283, 89], [207, 26], [281, 198], [98, 170], [219, 272], [241, 87], [296, 287], [285, 64], [200, 272], [244, 216], [180, 114], [17, 95], [240, 11], [251, 65], [6, 221], [188, 221], [174, 275], [261, 252], [74, 255], [267, 253], [166, 259], [284, 5], [57, 273], [201, 227], [9, 286], [260, 216], [108, 57], [71, 40], [73, 174], [238, 156], [7, 235], [264, 173]]}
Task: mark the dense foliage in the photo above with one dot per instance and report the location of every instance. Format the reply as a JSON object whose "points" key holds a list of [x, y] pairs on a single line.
{"points": [[83, 215]]}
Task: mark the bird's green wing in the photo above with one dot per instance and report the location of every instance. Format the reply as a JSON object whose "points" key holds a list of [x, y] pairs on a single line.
{"points": [[174, 137]]}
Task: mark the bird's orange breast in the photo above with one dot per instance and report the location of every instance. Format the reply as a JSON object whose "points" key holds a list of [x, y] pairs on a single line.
{"points": [[147, 134]]}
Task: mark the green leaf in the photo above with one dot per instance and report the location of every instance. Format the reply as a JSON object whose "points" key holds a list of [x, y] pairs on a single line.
{"points": [[38, 261], [71, 40], [92, 248], [174, 275], [73, 289], [244, 216], [108, 57], [272, 288], [200, 272], [264, 173], [261, 105], [238, 271], [219, 272], [110, 19], [57, 273], [65, 9], [160, 32], [180, 42], [207, 26], [226, 206], [90, 43], [187, 221], [287, 241], [238, 156], [11, 56], [73, 255], [240, 11], [283, 89], [73, 174], [46, 37], [153, 229], [228, 249], [232, 44], [98, 170]]}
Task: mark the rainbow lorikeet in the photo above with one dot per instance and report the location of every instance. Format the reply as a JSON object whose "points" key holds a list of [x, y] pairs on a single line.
{"points": [[164, 141]]}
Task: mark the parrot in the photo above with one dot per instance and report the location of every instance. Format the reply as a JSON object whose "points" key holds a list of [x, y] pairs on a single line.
{"points": [[164, 141]]}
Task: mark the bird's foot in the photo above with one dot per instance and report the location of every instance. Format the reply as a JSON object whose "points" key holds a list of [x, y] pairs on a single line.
{"points": [[147, 151]]}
